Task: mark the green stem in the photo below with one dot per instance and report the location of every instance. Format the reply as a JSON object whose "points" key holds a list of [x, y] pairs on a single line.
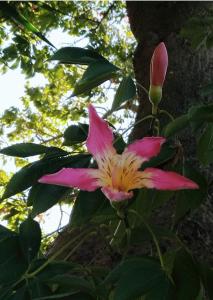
{"points": [[128, 234], [157, 127], [143, 88], [153, 237], [167, 113], [136, 123], [78, 245], [55, 255], [115, 232]]}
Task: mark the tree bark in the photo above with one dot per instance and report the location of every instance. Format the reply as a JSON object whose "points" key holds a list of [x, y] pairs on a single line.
{"points": [[151, 23]]}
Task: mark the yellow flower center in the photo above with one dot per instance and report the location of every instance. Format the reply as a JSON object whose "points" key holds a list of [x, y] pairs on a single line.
{"points": [[119, 172]]}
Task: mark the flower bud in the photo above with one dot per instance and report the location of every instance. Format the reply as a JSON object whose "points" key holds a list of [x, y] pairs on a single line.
{"points": [[158, 68]]}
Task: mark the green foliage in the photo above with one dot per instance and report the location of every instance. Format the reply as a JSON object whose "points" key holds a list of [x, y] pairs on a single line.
{"points": [[189, 200], [42, 197], [205, 146], [96, 73], [186, 276], [91, 207], [136, 277], [77, 55], [8, 11], [126, 91], [30, 149], [30, 238], [199, 30], [75, 134]]}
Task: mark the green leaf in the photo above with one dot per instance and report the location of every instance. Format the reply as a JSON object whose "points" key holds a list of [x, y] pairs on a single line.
{"points": [[71, 283], [95, 74], [186, 277], [20, 294], [11, 13], [4, 233], [188, 200], [30, 238], [201, 113], [12, 261], [52, 269], [175, 126], [30, 149], [207, 278], [146, 201], [207, 90], [38, 289], [160, 292], [195, 30], [90, 205], [44, 196], [125, 91], [136, 277], [76, 55], [141, 233], [75, 134], [30, 174], [205, 146], [119, 143]]}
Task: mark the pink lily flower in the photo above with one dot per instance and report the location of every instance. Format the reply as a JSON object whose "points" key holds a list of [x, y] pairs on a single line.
{"points": [[117, 174]]}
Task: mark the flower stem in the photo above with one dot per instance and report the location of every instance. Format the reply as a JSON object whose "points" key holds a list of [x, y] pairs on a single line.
{"points": [[143, 88], [115, 232], [79, 244], [162, 111], [57, 253], [136, 123], [153, 237]]}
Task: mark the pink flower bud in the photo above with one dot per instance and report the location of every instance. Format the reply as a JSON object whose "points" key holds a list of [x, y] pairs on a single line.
{"points": [[158, 66]]}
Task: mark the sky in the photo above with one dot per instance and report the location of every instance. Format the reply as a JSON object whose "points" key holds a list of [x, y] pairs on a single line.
{"points": [[12, 85]]}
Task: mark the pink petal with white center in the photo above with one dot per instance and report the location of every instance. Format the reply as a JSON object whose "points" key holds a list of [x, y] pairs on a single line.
{"points": [[166, 180], [100, 137], [147, 147], [84, 179], [115, 195]]}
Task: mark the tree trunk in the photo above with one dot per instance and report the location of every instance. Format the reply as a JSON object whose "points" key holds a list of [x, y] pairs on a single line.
{"points": [[151, 23]]}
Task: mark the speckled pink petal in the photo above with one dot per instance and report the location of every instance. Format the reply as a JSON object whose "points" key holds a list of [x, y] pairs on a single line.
{"points": [[147, 147], [84, 179], [100, 137], [166, 180], [115, 195]]}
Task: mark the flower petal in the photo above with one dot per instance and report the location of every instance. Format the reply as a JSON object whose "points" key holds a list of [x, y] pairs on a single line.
{"points": [[84, 179], [166, 180], [115, 195], [147, 147], [100, 137]]}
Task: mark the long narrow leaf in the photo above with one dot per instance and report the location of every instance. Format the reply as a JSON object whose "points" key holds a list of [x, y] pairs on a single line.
{"points": [[9, 12]]}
